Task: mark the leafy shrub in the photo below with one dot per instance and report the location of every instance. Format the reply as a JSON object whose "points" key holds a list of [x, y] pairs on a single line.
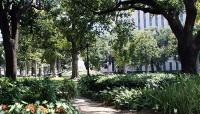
{"points": [[67, 89], [182, 97], [133, 91], [32, 90], [126, 98], [8, 91], [61, 107], [100, 83]]}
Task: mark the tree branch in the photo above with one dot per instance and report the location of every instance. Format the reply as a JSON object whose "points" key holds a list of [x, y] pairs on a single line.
{"points": [[197, 40], [191, 13], [152, 6]]}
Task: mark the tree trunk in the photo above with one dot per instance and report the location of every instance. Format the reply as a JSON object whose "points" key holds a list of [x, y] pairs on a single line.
{"points": [[33, 68], [58, 65], [27, 68], [9, 29], [53, 68], [74, 52], [40, 70], [187, 48], [11, 59], [146, 68], [0, 72], [74, 65], [188, 59], [20, 71], [152, 67]]}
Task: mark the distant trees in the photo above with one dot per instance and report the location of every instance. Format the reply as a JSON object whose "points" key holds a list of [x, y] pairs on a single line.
{"points": [[77, 24], [11, 12], [41, 42], [143, 47], [188, 40]]}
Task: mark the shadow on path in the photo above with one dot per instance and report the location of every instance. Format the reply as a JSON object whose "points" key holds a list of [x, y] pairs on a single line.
{"points": [[86, 106]]}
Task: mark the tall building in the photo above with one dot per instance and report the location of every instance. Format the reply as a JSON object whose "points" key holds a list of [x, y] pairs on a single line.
{"points": [[147, 20]]}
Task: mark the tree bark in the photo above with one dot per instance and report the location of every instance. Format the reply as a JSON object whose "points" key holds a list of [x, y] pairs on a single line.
{"points": [[188, 59], [33, 68], [74, 60], [53, 68], [0, 72], [152, 67], [9, 28], [187, 48], [11, 59], [146, 68]]}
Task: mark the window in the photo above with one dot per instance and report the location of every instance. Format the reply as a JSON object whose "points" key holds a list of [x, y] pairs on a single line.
{"points": [[144, 17], [177, 68], [162, 21], [156, 20], [138, 19], [170, 66], [181, 17], [150, 19]]}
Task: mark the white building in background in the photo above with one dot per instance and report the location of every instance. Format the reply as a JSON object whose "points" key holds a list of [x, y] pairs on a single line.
{"points": [[147, 20]]}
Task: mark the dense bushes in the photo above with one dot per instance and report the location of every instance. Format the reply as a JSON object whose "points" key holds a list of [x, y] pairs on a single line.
{"points": [[18, 95], [182, 97], [165, 93], [59, 107], [123, 91], [32, 90]]}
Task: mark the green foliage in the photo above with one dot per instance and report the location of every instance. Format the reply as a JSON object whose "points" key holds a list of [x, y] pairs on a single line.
{"points": [[68, 89], [122, 33], [32, 90], [124, 91], [45, 107], [182, 96], [144, 48], [165, 93], [97, 53]]}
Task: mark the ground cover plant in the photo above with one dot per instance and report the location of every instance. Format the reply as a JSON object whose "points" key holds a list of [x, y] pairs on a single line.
{"points": [[163, 93], [37, 95]]}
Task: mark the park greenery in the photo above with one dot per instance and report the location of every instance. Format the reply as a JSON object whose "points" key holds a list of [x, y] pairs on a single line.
{"points": [[44, 38], [158, 93]]}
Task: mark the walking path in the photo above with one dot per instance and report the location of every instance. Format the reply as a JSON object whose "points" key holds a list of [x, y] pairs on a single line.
{"points": [[86, 106]]}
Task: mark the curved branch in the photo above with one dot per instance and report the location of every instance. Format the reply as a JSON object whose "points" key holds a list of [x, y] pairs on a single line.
{"points": [[191, 13], [197, 40], [153, 7]]}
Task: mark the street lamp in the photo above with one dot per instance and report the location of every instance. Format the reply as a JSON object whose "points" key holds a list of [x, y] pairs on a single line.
{"points": [[88, 65]]}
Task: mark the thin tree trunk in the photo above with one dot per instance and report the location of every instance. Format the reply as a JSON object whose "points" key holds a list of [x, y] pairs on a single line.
{"points": [[0, 72], [146, 68], [20, 71], [40, 70], [74, 60], [53, 68], [74, 65], [152, 67]]}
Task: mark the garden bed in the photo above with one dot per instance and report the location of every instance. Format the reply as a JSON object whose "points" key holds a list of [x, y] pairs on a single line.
{"points": [[164, 93]]}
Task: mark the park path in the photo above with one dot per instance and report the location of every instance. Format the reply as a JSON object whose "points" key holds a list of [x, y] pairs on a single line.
{"points": [[86, 106]]}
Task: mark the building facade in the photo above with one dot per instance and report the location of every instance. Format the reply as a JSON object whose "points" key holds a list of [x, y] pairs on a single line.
{"points": [[144, 21]]}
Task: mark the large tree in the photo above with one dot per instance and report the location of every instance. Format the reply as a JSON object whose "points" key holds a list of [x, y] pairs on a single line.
{"points": [[11, 12], [77, 24], [188, 40]]}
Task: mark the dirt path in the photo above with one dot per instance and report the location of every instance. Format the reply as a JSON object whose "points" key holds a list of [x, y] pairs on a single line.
{"points": [[86, 106]]}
